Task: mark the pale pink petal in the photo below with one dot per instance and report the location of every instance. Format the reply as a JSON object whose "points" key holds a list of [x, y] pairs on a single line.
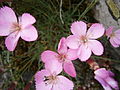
{"points": [[113, 43], [117, 36], [62, 47], [103, 83], [95, 31], [29, 33], [63, 84], [27, 19], [72, 54], [112, 83], [109, 31], [84, 52], [40, 75], [116, 40], [96, 47], [49, 55], [111, 73], [7, 15], [5, 28], [73, 42], [11, 41], [117, 31], [53, 66], [69, 68], [40, 80], [102, 72], [43, 86], [78, 28]]}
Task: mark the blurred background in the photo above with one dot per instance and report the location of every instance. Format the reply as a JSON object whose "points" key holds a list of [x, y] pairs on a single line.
{"points": [[53, 20]]}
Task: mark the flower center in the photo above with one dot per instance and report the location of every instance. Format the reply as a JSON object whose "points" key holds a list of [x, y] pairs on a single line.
{"points": [[112, 35], [83, 39], [62, 57], [16, 27], [51, 79]]}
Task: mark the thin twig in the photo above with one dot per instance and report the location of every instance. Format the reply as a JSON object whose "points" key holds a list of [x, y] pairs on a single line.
{"points": [[61, 12]]}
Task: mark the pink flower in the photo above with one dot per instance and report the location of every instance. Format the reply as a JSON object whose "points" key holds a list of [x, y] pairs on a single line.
{"points": [[114, 36], [104, 77], [64, 56], [84, 40], [48, 78], [14, 29]]}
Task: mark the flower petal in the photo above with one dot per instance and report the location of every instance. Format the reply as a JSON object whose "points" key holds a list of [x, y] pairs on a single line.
{"points": [[116, 40], [96, 47], [117, 31], [62, 47], [113, 43], [11, 41], [43, 86], [48, 55], [53, 66], [103, 83], [78, 28], [109, 31], [29, 33], [5, 28], [27, 20], [63, 84], [40, 75], [72, 54], [7, 15], [102, 72], [69, 68], [112, 83], [95, 31], [73, 42], [84, 52]]}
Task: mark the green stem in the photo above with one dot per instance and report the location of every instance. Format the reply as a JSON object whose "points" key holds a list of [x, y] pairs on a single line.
{"points": [[106, 59], [88, 8]]}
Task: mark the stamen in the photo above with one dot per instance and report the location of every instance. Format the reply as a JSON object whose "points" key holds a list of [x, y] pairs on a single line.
{"points": [[83, 39], [62, 57], [50, 79]]}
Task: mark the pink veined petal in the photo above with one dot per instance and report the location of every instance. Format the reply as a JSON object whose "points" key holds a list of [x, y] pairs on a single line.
{"points": [[116, 40], [102, 72], [112, 83], [117, 36], [62, 47], [113, 43], [84, 52], [39, 80], [103, 83], [96, 47], [95, 31], [72, 54], [40, 75], [111, 74], [29, 33], [109, 31], [117, 31], [27, 19], [53, 66], [7, 15], [69, 68], [63, 84], [73, 42], [78, 28], [48, 55], [43, 86], [5, 28], [11, 41]]}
